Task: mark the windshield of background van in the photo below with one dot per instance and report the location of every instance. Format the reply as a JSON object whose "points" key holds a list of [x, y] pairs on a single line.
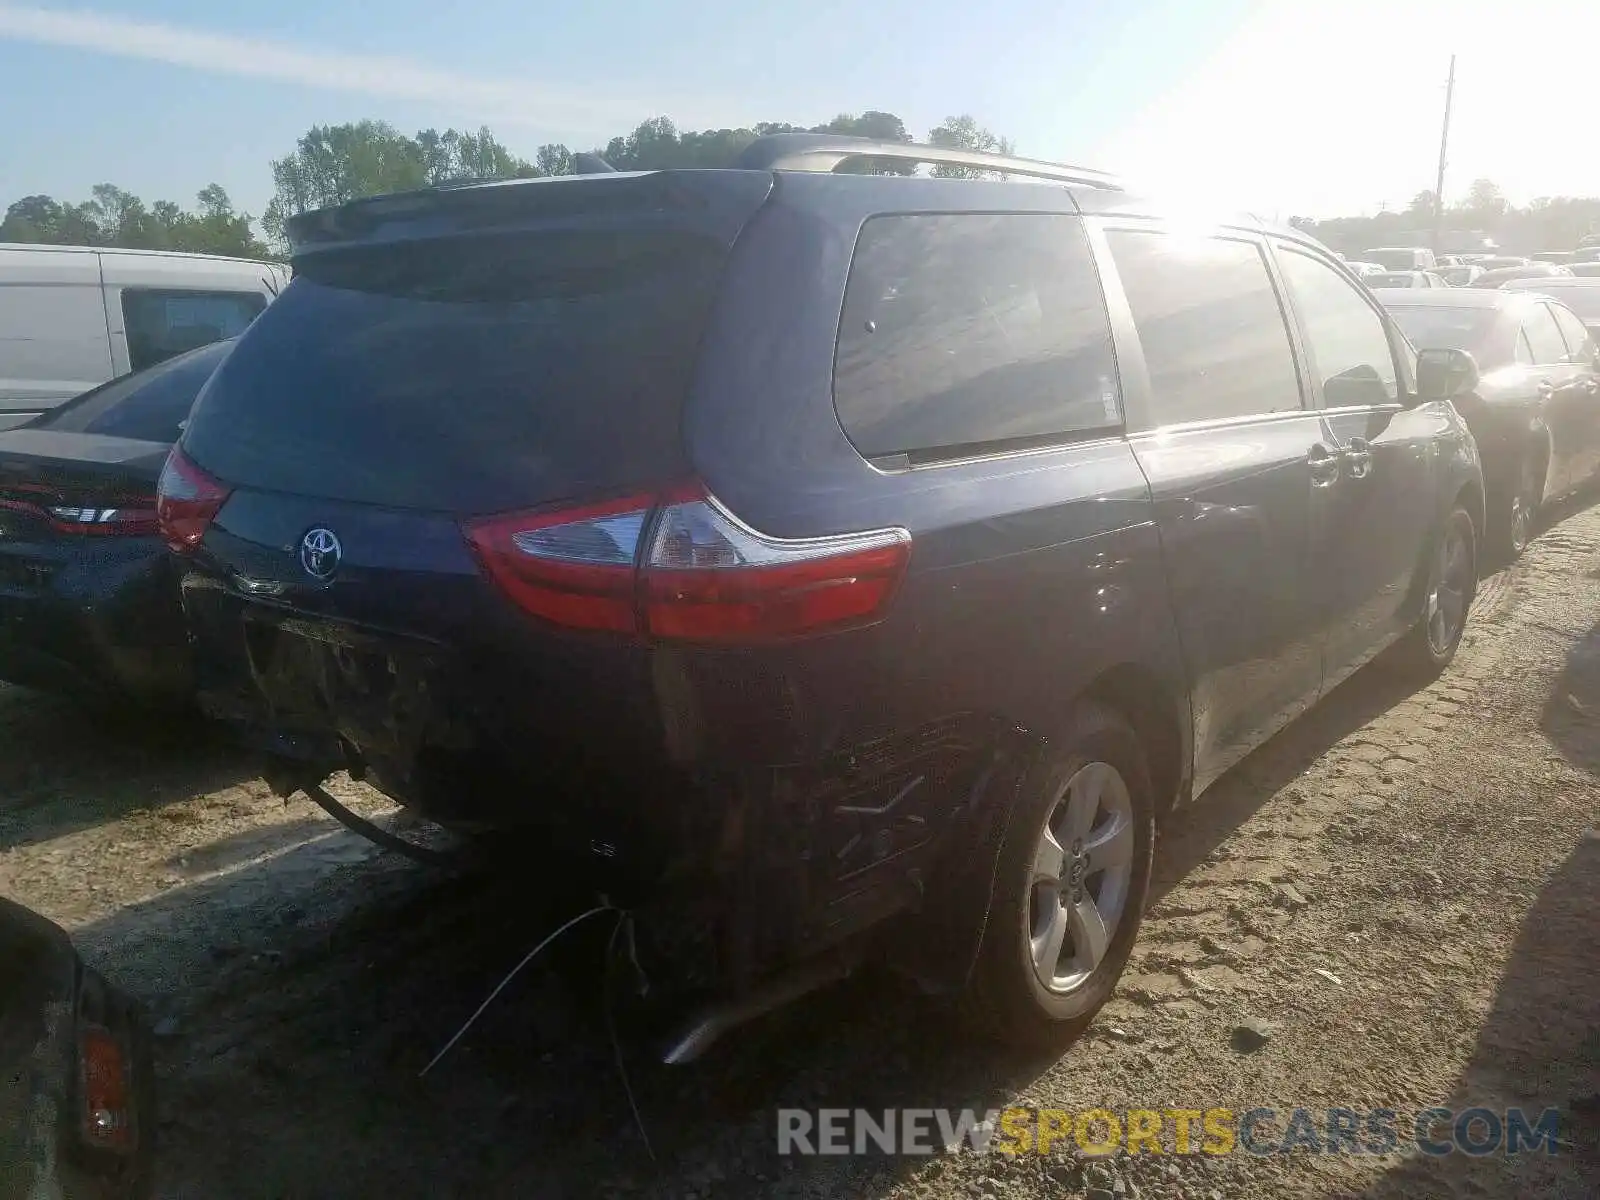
{"points": [[470, 374]]}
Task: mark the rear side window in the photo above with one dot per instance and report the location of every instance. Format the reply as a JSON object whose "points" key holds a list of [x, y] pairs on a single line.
{"points": [[162, 323], [1579, 348], [965, 331], [1346, 336], [1544, 336], [1210, 325]]}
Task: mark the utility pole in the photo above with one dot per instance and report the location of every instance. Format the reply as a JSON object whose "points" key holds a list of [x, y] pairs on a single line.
{"points": [[1444, 144]]}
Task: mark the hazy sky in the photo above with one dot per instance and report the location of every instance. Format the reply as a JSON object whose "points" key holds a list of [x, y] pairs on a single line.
{"points": [[1282, 106]]}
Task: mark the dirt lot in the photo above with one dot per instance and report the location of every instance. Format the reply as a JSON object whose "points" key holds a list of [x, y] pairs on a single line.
{"points": [[1404, 886]]}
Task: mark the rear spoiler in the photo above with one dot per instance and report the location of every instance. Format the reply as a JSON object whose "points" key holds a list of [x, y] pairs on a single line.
{"points": [[715, 202]]}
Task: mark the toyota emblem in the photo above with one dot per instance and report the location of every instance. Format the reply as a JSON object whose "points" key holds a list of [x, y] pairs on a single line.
{"points": [[320, 554]]}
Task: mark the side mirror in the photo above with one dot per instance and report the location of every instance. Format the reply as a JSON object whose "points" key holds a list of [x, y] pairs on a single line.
{"points": [[1445, 374]]}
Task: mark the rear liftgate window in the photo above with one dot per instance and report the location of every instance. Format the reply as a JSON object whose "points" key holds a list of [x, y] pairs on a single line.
{"points": [[971, 333], [472, 374]]}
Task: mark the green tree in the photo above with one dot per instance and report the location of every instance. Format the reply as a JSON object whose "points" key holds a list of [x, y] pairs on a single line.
{"points": [[964, 133], [333, 164], [1484, 200], [118, 218], [1422, 204], [37, 220], [553, 159], [880, 127]]}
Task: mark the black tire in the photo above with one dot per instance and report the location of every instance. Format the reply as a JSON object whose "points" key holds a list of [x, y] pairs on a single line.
{"points": [[1006, 998], [1515, 520], [1423, 651]]}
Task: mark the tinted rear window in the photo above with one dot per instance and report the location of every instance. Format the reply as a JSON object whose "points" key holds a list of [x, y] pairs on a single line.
{"points": [[1451, 327], [967, 331], [468, 374], [149, 405]]}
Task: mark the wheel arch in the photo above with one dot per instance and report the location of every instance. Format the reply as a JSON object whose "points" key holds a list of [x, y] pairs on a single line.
{"points": [[1158, 720], [959, 901], [1470, 496]]}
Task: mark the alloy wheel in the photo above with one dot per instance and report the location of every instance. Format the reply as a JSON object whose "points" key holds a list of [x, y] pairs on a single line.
{"points": [[1451, 591], [1082, 869]]}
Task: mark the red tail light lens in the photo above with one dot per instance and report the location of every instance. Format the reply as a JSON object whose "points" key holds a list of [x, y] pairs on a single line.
{"points": [[710, 578], [105, 522], [128, 520], [705, 576], [107, 1095], [574, 567], [187, 500]]}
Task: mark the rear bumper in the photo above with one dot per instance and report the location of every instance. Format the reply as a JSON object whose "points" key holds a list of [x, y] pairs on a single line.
{"points": [[668, 781], [103, 622]]}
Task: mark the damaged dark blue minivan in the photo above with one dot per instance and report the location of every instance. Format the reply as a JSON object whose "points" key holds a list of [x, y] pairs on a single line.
{"points": [[829, 563]]}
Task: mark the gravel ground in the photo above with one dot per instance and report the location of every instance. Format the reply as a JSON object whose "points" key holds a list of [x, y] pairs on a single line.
{"points": [[1401, 893]]}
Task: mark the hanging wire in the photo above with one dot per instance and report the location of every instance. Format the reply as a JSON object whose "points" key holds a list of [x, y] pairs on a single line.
{"points": [[513, 973], [625, 919]]}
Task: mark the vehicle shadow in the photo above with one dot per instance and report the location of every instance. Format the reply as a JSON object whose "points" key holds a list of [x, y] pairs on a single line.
{"points": [[64, 768], [1571, 716], [1539, 1049], [308, 992]]}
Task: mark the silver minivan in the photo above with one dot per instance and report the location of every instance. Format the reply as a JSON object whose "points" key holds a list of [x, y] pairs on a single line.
{"points": [[73, 317]]}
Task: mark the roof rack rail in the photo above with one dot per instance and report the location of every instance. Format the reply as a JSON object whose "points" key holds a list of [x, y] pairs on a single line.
{"points": [[825, 151]]}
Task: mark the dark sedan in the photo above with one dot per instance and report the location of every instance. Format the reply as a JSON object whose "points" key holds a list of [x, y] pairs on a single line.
{"points": [[1581, 295], [1533, 270], [76, 1080], [1536, 410], [87, 600]]}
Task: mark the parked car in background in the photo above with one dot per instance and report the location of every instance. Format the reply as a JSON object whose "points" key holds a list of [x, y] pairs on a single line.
{"points": [[1536, 409], [72, 317], [1366, 268], [1496, 262], [1582, 296], [831, 535], [77, 1084], [1552, 256], [1465, 275], [1494, 278], [1401, 258], [1586, 254], [88, 600], [1405, 279], [1585, 270]]}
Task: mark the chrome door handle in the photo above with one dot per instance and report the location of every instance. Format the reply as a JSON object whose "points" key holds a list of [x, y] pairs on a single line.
{"points": [[1546, 389], [1324, 464], [1358, 458]]}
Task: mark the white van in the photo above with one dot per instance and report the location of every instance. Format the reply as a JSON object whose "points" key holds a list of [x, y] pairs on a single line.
{"points": [[1401, 258], [72, 317]]}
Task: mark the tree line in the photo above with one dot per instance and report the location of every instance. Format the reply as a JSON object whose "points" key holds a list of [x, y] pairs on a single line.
{"points": [[113, 217], [331, 164], [1546, 223]]}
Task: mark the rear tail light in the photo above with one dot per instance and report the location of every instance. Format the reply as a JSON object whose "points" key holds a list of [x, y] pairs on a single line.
{"points": [[187, 500], [127, 520], [574, 567], [105, 522], [107, 1094], [703, 576]]}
